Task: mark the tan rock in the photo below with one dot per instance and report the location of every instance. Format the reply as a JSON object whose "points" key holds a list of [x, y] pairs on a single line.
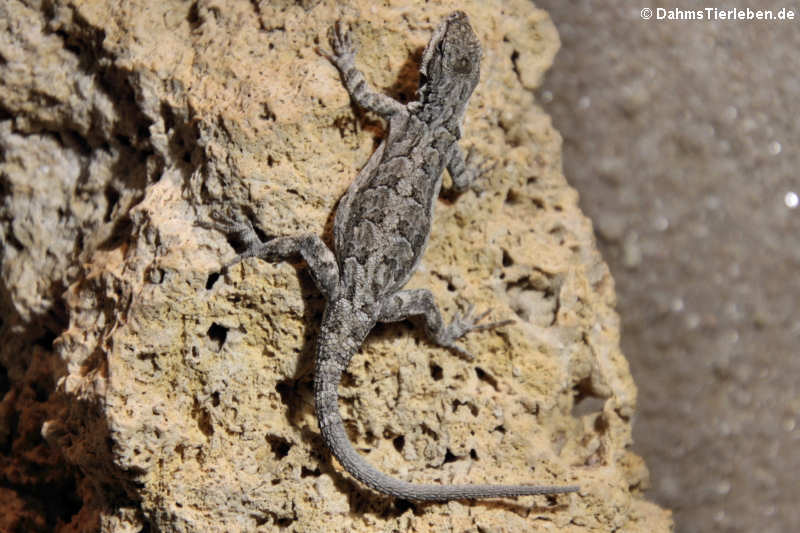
{"points": [[184, 397]]}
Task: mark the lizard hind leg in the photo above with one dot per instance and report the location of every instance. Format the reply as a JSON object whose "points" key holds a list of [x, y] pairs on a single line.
{"points": [[419, 303]]}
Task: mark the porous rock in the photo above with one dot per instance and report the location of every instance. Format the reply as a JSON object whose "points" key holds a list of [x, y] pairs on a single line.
{"points": [[142, 388]]}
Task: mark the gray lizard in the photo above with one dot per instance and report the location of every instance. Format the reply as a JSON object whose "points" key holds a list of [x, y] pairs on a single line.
{"points": [[380, 232]]}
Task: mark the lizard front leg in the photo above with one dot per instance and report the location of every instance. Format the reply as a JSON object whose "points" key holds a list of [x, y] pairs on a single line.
{"points": [[419, 303], [319, 258], [344, 59]]}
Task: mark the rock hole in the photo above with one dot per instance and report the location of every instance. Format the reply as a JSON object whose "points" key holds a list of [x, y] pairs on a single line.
{"points": [[500, 429], [512, 197], [11, 240], [429, 432], [120, 232], [449, 457], [348, 380], [203, 419], [307, 472], [112, 198], [280, 446], [70, 42], [211, 280], [124, 140], [473, 454], [472, 408], [436, 372], [507, 261], [399, 443], [193, 16], [217, 333], [286, 391], [515, 67], [204, 423], [586, 400], [268, 114], [149, 356], [403, 505], [601, 424], [486, 377]]}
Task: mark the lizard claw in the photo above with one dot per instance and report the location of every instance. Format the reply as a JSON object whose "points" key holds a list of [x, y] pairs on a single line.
{"points": [[234, 225], [341, 41], [239, 231], [480, 169], [465, 323], [226, 222]]}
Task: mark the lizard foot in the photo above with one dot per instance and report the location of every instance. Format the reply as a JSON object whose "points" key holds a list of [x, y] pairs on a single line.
{"points": [[227, 223], [463, 324], [344, 51], [239, 231], [478, 169]]}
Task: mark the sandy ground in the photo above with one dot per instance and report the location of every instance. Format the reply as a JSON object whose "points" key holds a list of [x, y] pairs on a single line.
{"points": [[682, 137]]}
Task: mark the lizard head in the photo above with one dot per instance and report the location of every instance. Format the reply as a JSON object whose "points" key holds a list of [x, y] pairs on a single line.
{"points": [[451, 62]]}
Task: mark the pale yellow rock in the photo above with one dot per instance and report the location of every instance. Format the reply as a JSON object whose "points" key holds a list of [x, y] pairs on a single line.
{"points": [[189, 396]]}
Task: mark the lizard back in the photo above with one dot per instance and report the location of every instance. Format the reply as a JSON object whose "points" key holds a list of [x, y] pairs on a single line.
{"points": [[387, 212]]}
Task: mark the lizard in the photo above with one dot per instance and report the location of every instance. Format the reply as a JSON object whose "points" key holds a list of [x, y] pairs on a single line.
{"points": [[381, 228]]}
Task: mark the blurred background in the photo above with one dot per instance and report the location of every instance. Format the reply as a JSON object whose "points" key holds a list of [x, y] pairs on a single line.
{"points": [[682, 138]]}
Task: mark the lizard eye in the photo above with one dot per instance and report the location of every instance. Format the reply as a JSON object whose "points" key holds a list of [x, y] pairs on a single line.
{"points": [[461, 65]]}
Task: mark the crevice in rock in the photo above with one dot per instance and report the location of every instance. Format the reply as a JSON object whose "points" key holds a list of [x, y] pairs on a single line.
{"points": [[280, 446], [587, 401], [486, 378]]}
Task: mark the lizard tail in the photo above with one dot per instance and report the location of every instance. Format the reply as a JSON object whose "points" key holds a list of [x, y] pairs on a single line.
{"points": [[335, 437]]}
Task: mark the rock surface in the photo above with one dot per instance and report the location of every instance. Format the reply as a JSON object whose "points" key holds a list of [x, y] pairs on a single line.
{"points": [[141, 389]]}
